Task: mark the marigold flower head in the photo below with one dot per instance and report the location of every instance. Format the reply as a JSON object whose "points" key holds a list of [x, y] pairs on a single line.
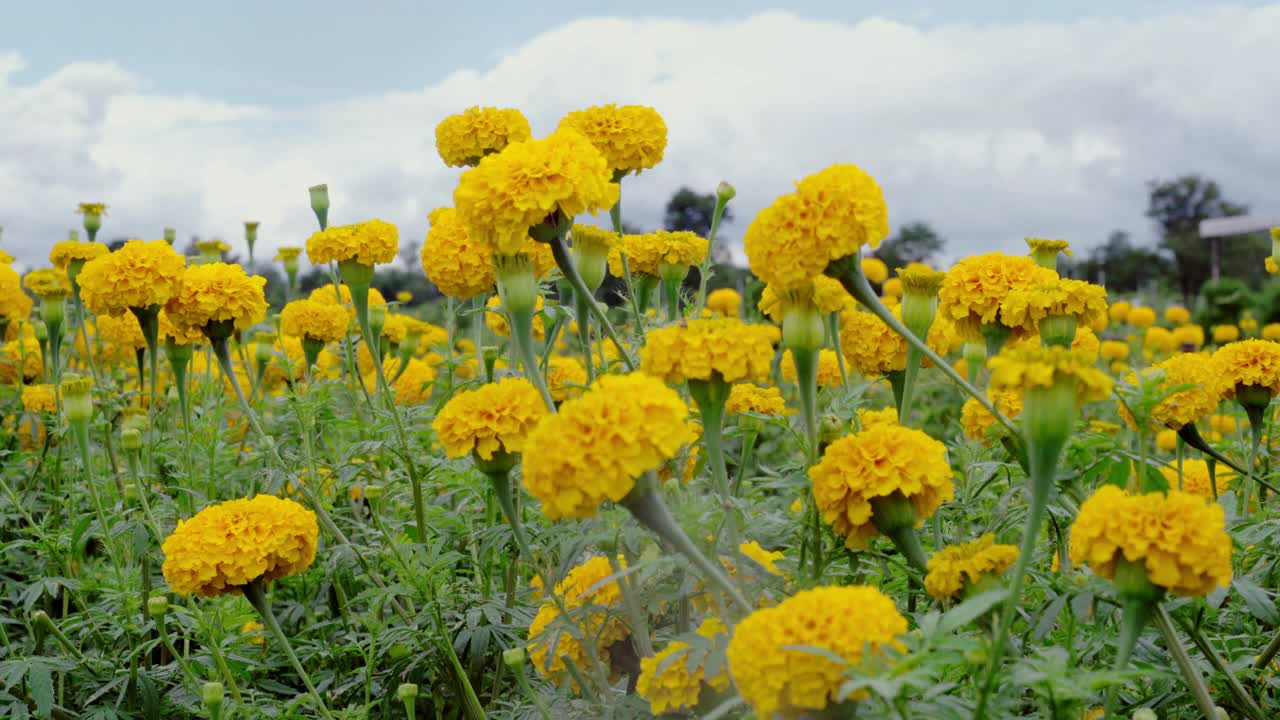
{"points": [[1142, 317], [1205, 384], [831, 215], [977, 421], [828, 368], [667, 681], [460, 265], [825, 294], [1159, 340], [465, 138], [287, 254], [599, 443], [724, 302], [583, 592], [212, 247], [745, 397], [1024, 307], [1119, 311], [878, 462], [171, 333], [370, 243], [1177, 315], [643, 255], [1195, 478], [47, 282], [413, 387], [1048, 247], [496, 417], [39, 398], [15, 305], [875, 269], [341, 295], [496, 318], [720, 348], [314, 319], [23, 353], [215, 293], [1223, 334], [1250, 363], [1179, 537], [1114, 350], [566, 377], [91, 208], [778, 676], [975, 289], [510, 192], [138, 275], [1271, 265], [956, 567], [64, 253], [884, 416], [631, 137], [1024, 368], [5, 258], [118, 337], [231, 544]]}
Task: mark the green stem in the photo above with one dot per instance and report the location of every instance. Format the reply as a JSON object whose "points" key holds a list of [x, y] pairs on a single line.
{"points": [[177, 658], [806, 362], [581, 304], [522, 680], [1190, 675], [1242, 695], [565, 262], [671, 297], [522, 339], [704, 268], [748, 445], [908, 543], [256, 594], [833, 335], [81, 430], [1134, 614], [710, 395]]}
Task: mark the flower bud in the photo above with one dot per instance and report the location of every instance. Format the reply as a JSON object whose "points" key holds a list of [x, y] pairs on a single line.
{"points": [[77, 398], [1275, 244], [920, 299], [134, 418], [407, 692], [170, 235], [802, 327], [130, 439], [53, 309], [725, 192], [377, 319], [320, 204], [1145, 714], [514, 657], [251, 232], [212, 694], [157, 606], [1058, 330], [517, 285], [40, 330]]}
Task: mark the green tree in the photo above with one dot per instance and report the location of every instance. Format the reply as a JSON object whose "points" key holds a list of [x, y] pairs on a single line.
{"points": [[914, 242], [1119, 264], [1178, 207]]}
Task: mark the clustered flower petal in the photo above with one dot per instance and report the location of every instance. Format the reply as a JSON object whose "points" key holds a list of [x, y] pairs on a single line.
{"points": [[140, 274], [745, 397], [631, 137], [1027, 367], [370, 243], [1250, 363], [669, 683], [64, 253], [460, 265], [956, 567], [975, 289], [215, 293], [496, 417], [1024, 307], [590, 600], [720, 348], [314, 319], [465, 138]]}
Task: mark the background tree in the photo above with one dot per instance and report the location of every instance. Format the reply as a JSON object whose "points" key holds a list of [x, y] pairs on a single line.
{"points": [[1178, 206], [914, 242], [1119, 264], [692, 211]]}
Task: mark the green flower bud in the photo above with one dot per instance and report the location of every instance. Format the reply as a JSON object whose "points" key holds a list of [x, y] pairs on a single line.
{"points": [[725, 192], [407, 692], [212, 694], [130, 439], [157, 606], [513, 657]]}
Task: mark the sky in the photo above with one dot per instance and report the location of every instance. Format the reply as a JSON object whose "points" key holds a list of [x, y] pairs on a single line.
{"points": [[993, 121]]}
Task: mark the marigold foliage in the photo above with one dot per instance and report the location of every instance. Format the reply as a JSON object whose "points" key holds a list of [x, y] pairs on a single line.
{"points": [[976, 287], [631, 137], [138, 275], [830, 215], [1179, 537], [745, 397], [720, 348], [599, 443], [965, 564], [372, 242], [465, 138], [494, 417], [724, 302], [315, 319], [39, 398], [218, 292], [460, 265], [228, 545], [667, 681], [1250, 363], [508, 193], [777, 677], [1027, 367], [878, 462], [62, 254]]}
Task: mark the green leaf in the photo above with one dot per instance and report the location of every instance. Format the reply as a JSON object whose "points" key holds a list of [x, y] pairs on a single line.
{"points": [[1260, 604], [40, 681], [1118, 473], [969, 610]]}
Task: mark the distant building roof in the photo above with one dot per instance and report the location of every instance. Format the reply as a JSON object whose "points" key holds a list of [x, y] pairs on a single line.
{"points": [[1238, 225]]}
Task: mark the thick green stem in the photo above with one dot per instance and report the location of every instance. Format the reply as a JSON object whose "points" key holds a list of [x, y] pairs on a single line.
{"points": [[806, 361], [704, 268], [255, 593], [582, 309], [833, 335], [908, 543], [1238, 690], [522, 339], [565, 262], [1190, 675], [1134, 614], [710, 395]]}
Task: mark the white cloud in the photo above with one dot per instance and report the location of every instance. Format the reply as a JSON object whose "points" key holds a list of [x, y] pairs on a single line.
{"points": [[990, 132]]}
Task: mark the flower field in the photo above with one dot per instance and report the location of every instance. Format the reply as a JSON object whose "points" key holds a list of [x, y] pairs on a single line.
{"points": [[841, 490]]}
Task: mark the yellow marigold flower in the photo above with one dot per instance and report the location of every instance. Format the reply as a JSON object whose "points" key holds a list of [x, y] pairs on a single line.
{"points": [[724, 301], [745, 397], [831, 215], [631, 138], [5, 258], [509, 192], [170, 333], [1114, 350], [139, 275], [583, 592], [218, 293], [1248, 324], [396, 327], [1271, 332], [47, 281], [976, 288], [287, 254], [314, 319], [1142, 317], [884, 416], [826, 294], [870, 346], [370, 243], [342, 296], [253, 633], [1250, 363], [598, 444], [91, 208], [957, 567], [1223, 334], [1205, 383], [496, 319], [1167, 440], [1272, 267], [1024, 307], [465, 138], [1190, 336], [778, 678], [212, 247], [69, 251], [1159, 340], [828, 368], [1195, 478], [679, 248], [1086, 343], [643, 255], [892, 288], [15, 305], [566, 377], [228, 545], [667, 681], [721, 348], [1179, 537], [880, 461], [39, 398], [875, 269], [119, 337], [1048, 248], [977, 422], [1177, 315], [496, 417], [413, 387], [1119, 312], [23, 353], [1023, 368], [764, 558], [458, 264], [1222, 423]]}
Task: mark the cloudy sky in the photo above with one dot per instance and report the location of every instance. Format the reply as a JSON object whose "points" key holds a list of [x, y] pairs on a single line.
{"points": [[993, 122]]}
